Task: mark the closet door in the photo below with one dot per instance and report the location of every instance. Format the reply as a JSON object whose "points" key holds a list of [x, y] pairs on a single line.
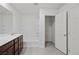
{"points": [[60, 32], [73, 40]]}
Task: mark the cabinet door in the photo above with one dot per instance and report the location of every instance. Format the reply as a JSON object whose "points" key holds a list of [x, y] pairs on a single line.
{"points": [[11, 51], [17, 53], [73, 41], [7, 49], [16, 48], [6, 46], [60, 32], [20, 44], [4, 53]]}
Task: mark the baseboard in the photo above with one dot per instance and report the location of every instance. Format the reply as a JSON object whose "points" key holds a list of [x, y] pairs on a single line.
{"points": [[30, 44]]}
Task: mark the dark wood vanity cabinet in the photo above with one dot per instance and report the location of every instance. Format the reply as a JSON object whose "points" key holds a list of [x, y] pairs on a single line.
{"points": [[7, 48], [13, 47], [16, 49], [20, 44], [10, 51]]}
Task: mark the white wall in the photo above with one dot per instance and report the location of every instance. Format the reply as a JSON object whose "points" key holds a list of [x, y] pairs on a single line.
{"points": [[0, 23], [48, 28], [53, 29], [30, 29], [15, 16], [67, 7], [7, 24], [17, 23], [30, 26], [27, 24]]}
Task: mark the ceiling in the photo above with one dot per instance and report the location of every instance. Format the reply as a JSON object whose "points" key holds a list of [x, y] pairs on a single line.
{"points": [[34, 7]]}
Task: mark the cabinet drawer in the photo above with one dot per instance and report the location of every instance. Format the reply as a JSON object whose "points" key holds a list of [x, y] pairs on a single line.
{"points": [[6, 46]]}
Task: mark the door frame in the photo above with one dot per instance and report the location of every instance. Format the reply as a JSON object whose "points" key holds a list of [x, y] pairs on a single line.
{"points": [[43, 13], [44, 29], [67, 32]]}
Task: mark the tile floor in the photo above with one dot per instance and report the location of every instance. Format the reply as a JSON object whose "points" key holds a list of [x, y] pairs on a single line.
{"points": [[49, 50]]}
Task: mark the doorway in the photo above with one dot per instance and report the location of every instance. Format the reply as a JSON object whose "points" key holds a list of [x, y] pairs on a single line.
{"points": [[49, 31]]}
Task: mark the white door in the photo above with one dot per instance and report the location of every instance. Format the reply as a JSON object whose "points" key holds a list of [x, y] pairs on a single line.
{"points": [[60, 32], [73, 42]]}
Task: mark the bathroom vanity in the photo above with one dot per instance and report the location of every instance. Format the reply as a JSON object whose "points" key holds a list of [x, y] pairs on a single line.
{"points": [[11, 45]]}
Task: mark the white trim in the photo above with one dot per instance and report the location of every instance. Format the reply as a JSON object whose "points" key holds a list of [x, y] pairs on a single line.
{"points": [[44, 12]]}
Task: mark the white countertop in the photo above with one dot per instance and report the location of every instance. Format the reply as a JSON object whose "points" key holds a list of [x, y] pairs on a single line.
{"points": [[6, 38]]}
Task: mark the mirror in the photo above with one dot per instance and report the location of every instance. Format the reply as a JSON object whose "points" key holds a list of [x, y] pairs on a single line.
{"points": [[5, 21]]}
